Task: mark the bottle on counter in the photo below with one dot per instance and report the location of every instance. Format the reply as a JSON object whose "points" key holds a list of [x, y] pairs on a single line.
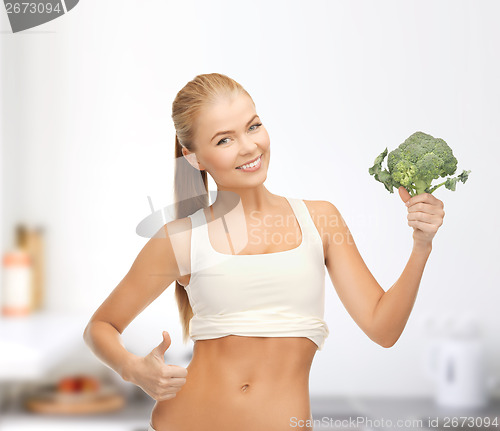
{"points": [[30, 240], [17, 275]]}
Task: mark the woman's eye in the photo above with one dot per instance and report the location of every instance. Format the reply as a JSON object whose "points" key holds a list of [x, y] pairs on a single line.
{"points": [[256, 125], [253, 125]]}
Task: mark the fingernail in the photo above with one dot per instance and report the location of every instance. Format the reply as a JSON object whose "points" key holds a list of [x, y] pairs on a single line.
{"points": [[407, 203]]}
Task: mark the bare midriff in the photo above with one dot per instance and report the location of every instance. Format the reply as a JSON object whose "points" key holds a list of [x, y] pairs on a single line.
{"points": [[242, 383]]}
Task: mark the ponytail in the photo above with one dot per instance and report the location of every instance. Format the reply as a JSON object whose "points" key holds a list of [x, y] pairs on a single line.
{"points": [[190, 194]]}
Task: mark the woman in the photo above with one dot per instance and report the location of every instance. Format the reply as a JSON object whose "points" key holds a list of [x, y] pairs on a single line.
{"points": [[249, 286]]}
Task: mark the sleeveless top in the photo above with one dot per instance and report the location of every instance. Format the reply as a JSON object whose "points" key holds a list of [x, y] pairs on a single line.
{"points": [[279, 294]]}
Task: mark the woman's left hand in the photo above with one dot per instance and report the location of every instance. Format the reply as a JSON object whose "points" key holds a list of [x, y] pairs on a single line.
{"points": [[425, 215]]}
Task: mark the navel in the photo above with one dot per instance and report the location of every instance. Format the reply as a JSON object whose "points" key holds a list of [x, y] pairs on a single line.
{"points": [[244, 388]]}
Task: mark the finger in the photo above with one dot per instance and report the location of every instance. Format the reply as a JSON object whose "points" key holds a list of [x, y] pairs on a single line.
{"points": [[424, 227], [177, 382], [426, 198], [426, 208], [177, 371], [403, 193], [424, 217], [170, 386]]}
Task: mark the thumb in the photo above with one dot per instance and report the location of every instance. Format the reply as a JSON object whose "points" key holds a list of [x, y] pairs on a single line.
{"points": [[405, 196], [163, 346]]}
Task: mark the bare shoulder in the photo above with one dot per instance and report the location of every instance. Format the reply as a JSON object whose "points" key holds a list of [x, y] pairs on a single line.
{"points": [[322, 212], [319, 207], [179, 235], [325, 216], [330, 224], [175, 227], [167, 253]]}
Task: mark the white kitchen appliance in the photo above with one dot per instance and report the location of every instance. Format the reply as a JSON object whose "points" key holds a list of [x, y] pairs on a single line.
{"points": [[456, 363]]}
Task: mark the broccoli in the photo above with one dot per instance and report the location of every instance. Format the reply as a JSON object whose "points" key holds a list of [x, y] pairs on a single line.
{"points": [[418, 161]]}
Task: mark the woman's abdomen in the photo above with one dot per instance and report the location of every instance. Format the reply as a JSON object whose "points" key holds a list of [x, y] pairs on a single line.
{"points": [[243, 383]]}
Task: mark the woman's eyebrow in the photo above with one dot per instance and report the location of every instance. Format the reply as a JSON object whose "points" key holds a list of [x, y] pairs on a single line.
{"points": [[232, 131]]}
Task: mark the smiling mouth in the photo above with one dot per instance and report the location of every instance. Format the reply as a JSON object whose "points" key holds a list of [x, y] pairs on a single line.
{"points": [[251, 161]]}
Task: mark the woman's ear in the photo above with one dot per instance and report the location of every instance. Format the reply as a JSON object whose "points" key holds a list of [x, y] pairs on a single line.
{"points": [[191, 158]]}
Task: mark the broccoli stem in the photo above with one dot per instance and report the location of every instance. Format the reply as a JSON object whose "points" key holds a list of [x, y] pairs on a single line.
{"points": [[410, 189], [435, 187], [421, 186]]}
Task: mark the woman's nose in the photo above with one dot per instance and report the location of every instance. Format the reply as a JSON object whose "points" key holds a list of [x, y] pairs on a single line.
{"points": [[248, 143]]}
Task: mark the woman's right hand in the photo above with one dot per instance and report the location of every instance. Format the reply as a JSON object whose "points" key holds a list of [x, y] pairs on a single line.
{"points": [[159, 380]]}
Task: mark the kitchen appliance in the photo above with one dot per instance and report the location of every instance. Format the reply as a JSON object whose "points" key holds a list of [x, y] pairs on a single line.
{"points": [[456, 363]]}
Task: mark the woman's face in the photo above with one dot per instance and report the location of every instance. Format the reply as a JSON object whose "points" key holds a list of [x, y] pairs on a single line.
{"points": [[230, 134]]}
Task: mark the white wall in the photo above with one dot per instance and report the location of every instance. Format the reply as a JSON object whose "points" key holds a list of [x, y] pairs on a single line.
{"points": [[88, 136]]}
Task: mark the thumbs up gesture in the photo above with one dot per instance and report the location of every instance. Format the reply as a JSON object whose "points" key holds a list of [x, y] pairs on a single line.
{"points": [[159, 380]]}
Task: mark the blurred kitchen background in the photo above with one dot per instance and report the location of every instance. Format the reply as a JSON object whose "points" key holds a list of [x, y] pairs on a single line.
{"points": [[86, 137]]}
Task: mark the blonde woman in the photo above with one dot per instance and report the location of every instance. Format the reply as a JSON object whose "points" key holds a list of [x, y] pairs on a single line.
{"points": [[249, 278]]}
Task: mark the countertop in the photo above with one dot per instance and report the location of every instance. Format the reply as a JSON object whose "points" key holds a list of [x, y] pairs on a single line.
{"points": [[329, 413], [404, 413]]}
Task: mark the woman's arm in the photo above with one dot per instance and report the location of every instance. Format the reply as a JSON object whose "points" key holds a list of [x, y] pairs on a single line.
{"points": [[356, 287], [105, 341], [425, 215], [154, 269], [394, 307], [381, 315]]}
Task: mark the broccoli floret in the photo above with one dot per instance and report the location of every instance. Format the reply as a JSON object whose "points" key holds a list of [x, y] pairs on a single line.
{"points": [[418, 161]]}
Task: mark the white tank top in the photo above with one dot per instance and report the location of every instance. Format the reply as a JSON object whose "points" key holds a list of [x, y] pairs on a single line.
{"points": [[278, 294]]}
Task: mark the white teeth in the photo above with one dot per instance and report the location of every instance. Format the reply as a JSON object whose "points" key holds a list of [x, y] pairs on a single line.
{"points": [[250, 165]]}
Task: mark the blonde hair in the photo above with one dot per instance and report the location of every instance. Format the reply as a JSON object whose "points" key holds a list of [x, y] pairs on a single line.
{"points": [[191, 184]]}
